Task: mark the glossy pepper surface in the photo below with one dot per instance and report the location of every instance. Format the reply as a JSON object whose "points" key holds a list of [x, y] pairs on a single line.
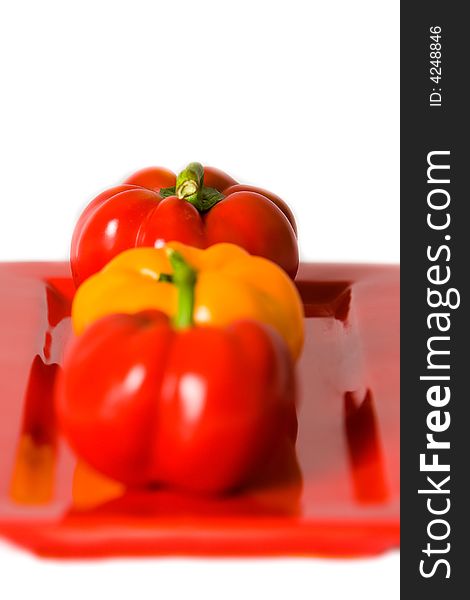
{"points": [[201, 207], [231, 284], [146, 400]]}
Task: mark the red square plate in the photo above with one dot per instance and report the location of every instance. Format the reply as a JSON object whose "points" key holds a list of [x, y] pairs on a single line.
{"points": [[337, 496]]}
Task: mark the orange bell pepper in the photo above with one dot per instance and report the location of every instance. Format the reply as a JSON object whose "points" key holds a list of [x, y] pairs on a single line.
{"points": [[231, 285]]}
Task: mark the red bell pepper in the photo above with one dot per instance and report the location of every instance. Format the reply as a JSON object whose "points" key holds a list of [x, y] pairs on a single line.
{"points": [[201, 207], [146, 401]]}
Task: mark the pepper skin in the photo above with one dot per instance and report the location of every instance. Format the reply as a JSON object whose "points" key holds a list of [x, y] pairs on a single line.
{"points": [[146, 401], [231, 285], [201, 207]]}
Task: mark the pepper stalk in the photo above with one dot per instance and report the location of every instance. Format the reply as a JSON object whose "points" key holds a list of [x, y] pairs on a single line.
{"points": [[190, 187], [184, 278]]}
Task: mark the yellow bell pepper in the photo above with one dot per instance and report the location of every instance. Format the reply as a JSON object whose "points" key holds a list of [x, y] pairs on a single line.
{"points": [[231, 285]]}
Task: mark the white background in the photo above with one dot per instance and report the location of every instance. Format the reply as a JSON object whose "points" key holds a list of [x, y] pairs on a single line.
{"points": [[301, 97]]}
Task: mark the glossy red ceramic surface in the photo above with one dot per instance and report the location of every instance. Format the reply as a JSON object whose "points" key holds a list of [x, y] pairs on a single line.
{"points": [[337, 496]]}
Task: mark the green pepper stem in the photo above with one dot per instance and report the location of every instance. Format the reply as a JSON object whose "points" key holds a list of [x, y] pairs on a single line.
{"points": [[184, 278], [189, 183], [190, 187]]}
